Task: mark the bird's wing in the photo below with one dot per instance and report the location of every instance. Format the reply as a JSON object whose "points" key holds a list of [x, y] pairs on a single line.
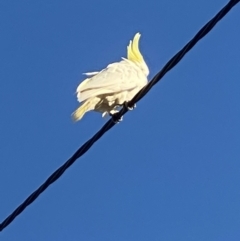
{"points": [[117, 77]]}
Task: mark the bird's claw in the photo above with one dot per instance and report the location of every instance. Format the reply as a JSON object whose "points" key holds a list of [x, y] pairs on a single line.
{"points": [[129, 107], [115, 119]]}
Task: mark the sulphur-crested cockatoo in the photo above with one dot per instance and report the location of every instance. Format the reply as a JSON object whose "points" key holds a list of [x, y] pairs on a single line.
{"points": [[119, 82]]}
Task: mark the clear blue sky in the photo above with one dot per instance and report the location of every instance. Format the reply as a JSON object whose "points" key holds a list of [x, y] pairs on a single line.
{"points": [[169, 171]]}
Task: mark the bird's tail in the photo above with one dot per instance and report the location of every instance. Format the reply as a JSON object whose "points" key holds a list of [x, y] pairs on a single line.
{"points": [[81, 110]]}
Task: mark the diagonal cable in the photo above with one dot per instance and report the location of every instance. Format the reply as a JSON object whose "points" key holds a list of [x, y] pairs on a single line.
{"points": [[84, 148]]}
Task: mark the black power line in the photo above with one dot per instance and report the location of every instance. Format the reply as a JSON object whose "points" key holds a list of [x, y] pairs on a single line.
{"points": [[171, 63]]}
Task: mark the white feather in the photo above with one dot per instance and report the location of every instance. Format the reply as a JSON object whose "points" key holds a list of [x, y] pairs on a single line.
{"points": [[91, 73]]}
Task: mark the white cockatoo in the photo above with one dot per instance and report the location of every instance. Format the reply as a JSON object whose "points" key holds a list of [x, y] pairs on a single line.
{"points": [[119, 82]]}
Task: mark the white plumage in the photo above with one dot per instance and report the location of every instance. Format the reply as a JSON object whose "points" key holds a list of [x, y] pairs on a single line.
{"points": [[119, 82]]}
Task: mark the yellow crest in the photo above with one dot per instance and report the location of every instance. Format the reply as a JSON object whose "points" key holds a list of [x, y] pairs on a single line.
{"points": [[133, 52]]}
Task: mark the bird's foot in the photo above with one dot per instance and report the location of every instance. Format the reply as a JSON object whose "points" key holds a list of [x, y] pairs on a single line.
{"points": [[115, 118], [129, 107]]}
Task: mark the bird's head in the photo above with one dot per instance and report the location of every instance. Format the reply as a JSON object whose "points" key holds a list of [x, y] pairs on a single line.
{"points": [[134, 54]]}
